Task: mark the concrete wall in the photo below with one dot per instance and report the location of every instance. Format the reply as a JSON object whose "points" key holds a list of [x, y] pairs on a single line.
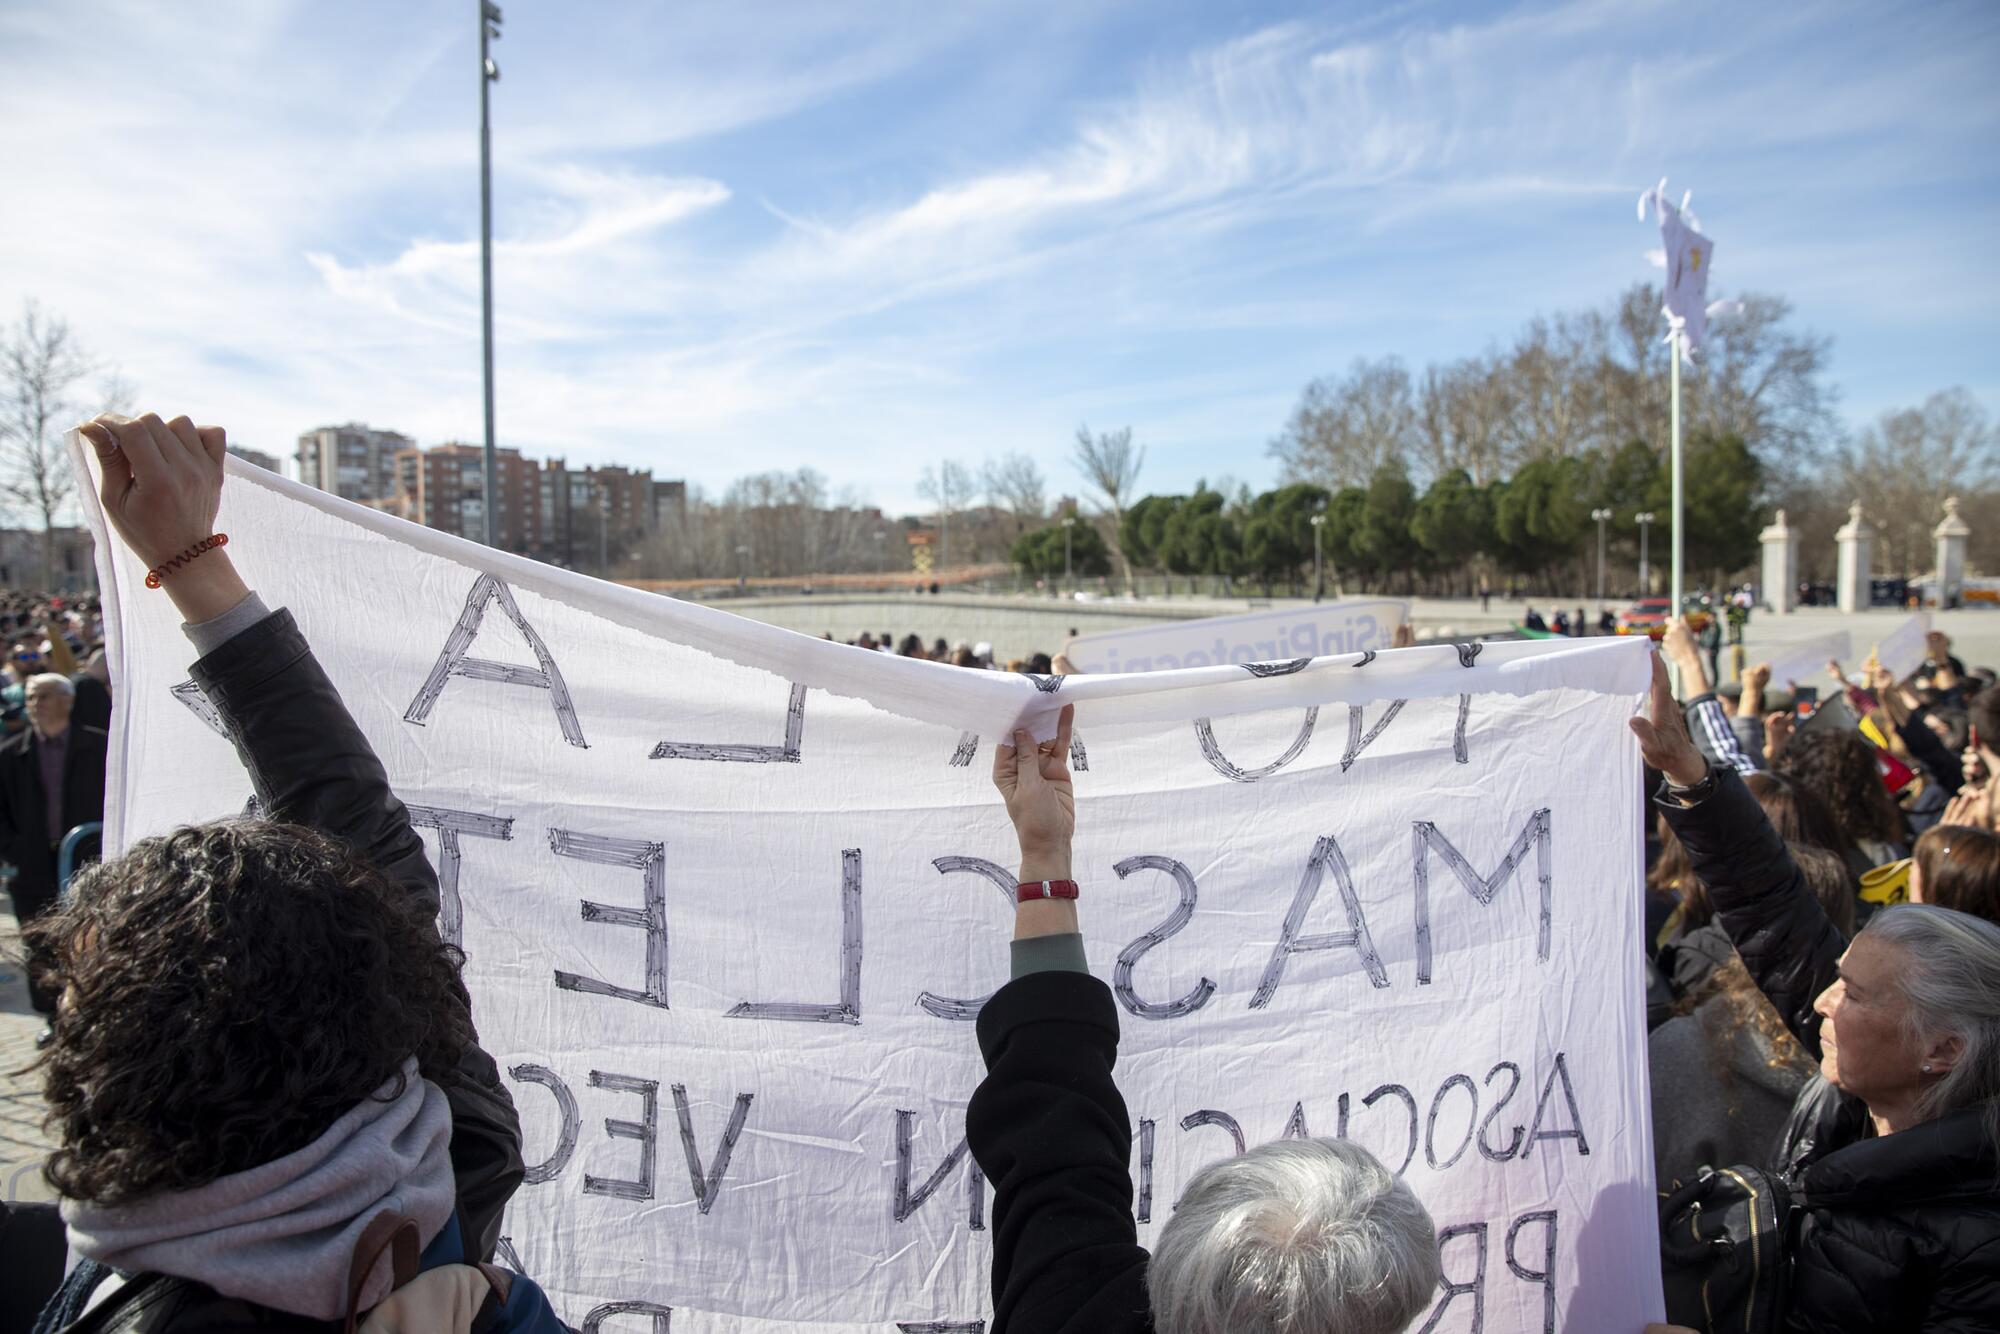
{"points": [[1019, 626], [1016, 627]]}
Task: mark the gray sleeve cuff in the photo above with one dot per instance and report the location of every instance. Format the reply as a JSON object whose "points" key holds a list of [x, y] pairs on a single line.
{"points": [[1049, 954], [213, 633]]}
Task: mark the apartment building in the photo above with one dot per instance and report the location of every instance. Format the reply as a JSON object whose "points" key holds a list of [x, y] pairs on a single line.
{"points": [[353, 461], [444, 487]]}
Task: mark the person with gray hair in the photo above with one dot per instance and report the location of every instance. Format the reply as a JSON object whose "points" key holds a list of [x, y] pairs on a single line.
{"points": [[1296, 1237], [51, 781], [1893, 1147]]}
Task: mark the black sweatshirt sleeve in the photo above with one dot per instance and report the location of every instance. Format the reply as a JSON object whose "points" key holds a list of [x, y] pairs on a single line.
{"points": [[1050, 1131], [1927, 750], [311, 765], [1762, 900]]}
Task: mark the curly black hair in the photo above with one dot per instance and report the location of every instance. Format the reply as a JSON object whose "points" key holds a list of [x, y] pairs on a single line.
{"points": [[1839, 768], [229, 990]]}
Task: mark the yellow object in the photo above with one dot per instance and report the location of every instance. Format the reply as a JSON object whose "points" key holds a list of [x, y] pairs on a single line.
{"points": [[1887, 884], [1874, 733]]}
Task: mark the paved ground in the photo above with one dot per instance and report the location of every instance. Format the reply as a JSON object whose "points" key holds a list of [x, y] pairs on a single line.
{"points": [[23, 1146]]}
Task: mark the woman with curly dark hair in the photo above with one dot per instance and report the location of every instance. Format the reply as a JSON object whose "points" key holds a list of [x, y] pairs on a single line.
{"points": [[1839, 768], [255, 944], [263, 1063]]}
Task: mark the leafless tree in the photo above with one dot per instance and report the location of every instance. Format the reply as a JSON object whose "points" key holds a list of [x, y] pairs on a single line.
{"points": [[1345, 427], [1110, 462], [785, 523], [1462, 415], [1906, 463], [42, 371], [1761, 380], [1556, 407], [1015, 484], [948, 486], [1755, 377]]}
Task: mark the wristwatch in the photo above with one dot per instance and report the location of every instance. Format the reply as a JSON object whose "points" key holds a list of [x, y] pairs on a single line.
{"points": [[1695, 793], [1030, 890]]}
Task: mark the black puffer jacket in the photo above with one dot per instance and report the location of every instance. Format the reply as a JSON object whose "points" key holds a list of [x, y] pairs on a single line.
{"points": [[311, 765], [1902, 1232]]}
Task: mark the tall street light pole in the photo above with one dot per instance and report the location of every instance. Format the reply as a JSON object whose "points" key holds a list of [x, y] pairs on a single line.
{"points": [[489, 31], [1319, 569], [1600, 516], [1645, 522]]}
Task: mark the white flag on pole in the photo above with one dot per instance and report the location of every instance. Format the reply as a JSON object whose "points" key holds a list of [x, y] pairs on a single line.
{"points": [[1688, 255]]}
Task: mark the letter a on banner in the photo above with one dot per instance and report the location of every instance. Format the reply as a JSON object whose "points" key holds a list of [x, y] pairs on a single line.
{"points": [[456, 660]]}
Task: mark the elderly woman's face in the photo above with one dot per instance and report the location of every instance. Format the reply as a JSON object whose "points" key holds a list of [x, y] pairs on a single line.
{"points": [[1867, 1049]]}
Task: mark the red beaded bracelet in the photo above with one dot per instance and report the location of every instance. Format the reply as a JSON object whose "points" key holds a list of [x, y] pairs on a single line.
{"points": [[164, 568]]}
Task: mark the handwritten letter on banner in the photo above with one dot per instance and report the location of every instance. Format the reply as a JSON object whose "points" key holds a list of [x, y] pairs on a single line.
{"points": [[731, 897]]}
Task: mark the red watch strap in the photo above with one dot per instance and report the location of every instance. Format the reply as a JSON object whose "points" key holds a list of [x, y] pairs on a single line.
{"points": [[1030, 890]]}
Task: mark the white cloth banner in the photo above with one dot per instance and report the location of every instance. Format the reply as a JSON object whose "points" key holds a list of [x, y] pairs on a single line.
{"points": [[1359, 625], [1395, 899], [1804, 663], [1904, 648]]}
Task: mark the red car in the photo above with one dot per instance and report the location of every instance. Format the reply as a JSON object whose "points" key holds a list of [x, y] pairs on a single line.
{"points": [[1648, 617]]}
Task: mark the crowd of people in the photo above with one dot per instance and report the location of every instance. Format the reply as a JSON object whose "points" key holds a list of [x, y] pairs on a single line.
{"points": [[1822, 955], [55, 718], [960, 654]]}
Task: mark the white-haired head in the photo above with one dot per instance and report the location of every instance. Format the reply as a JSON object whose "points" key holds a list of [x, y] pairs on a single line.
{"points": [[50, 697], [1953, 986], [1295, 1237]]}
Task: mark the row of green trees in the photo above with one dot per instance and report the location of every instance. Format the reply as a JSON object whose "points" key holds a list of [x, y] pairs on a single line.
{"points": [[1532, 528]]}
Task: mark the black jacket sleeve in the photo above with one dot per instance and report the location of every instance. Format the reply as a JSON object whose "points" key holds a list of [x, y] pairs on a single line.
{"points": [[1762, 900], [1933, 754], [1050, 1131], [311, 765]]}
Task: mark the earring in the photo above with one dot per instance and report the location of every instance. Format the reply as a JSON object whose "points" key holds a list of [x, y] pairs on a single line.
{"points": [[1927, 1067]]}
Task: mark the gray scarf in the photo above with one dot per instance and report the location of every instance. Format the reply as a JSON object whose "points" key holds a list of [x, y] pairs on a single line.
{"points": [[282, 1234]]}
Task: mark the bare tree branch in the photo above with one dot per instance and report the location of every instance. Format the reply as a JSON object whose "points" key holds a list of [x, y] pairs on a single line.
{"points": [[1016, 485], [1345, 427], [41, 367], [1110, 462]]}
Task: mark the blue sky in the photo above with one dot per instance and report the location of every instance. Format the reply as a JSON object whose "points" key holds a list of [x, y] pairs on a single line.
{"points": [[863, 237]]}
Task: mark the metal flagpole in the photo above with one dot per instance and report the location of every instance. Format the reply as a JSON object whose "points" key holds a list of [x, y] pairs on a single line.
{"points": [[1678, 518], [489, 27]]}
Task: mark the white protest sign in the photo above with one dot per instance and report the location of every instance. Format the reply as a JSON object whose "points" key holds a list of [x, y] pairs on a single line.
{"points": [[1904, 648], [1804, 663], [1313, 631], [730, 897]]}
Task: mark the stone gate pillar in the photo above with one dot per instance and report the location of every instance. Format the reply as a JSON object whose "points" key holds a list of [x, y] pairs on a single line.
{"points": [[1781, 566], [1855, 541], [1951, 536]]}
